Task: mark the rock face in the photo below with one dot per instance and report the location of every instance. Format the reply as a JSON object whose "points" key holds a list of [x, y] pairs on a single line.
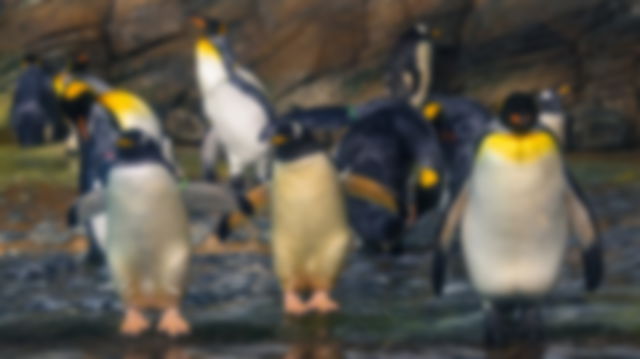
{"points": [[312, 52]]}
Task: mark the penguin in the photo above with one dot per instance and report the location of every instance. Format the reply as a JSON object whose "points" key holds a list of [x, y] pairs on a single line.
{"points": [[387, 148], [100, 119], [35, 116], [411, 65], [234, 104], [459, 122], [552, 112], [310, 235], [517, 210], [148, 243]]}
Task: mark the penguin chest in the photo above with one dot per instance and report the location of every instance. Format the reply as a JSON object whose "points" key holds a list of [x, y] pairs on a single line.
{"points": [[145, 212], [308, 206], [237, 118], [515, 227]]}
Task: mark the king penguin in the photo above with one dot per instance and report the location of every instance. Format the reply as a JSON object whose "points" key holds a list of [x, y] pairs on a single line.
{"points": [[148, 245], [234, 104], [411, 65], [517, 210]]}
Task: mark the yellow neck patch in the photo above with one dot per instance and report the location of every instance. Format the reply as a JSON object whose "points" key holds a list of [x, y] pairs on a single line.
{"points": [[519, 148], [205, 48], [124, 106], [75, 89]]}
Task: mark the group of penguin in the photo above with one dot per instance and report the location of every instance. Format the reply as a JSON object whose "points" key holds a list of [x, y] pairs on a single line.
{"points": [[502, 180]]}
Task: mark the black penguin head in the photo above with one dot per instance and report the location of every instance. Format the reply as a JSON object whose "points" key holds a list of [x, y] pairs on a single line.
{"points": [[209, 26], [76, 100], [30, 59], [289, 138], [79, 63], [519, 113], [422, 30], [135, 145]]}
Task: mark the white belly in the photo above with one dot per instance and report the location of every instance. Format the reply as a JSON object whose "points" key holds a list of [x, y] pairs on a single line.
{"points": [[308, 205], [147, 234], [237, 119], [515, 228]]}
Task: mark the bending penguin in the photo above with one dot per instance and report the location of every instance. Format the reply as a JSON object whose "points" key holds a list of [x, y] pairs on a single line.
{"points": [[310, 233], [517, 211], [34, 110], [148, 245], [459, 123], [234, 104], [386, 141]]}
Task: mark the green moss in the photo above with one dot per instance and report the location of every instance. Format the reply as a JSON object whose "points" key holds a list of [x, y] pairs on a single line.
{"points": [[47, 164]]}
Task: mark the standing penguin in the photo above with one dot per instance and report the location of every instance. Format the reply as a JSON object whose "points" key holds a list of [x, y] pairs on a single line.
{"points": [[148, 246], [234, 104], [411, 65], [310, 233], [101, 118], [553, 114], [517, 210]]}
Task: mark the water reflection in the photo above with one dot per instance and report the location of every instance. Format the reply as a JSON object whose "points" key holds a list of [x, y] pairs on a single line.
{"points": [[523, 350], [312, 338]]}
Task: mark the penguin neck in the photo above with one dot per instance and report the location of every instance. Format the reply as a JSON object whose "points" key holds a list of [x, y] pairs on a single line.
{"points": [[296, 150], [214, 62], [423, 56]]}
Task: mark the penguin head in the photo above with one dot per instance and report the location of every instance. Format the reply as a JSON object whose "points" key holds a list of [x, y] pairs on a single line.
{"points": [[30, 59], [79, 63], [519, 113], [209, 26], [76, 101], [289, 138], [549, 101], [422, 30], [135, 145]]}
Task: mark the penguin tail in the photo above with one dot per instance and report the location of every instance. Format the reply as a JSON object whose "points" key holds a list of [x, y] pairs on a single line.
{"points": [[72, 216], [439, 271], [593, 267]]}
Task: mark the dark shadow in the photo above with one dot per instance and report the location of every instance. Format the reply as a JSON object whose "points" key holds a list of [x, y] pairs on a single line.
{"points": [[311, 338]]}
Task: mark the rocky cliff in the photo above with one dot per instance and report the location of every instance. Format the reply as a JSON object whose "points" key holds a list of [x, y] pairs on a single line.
{"points": [[312, 52]]}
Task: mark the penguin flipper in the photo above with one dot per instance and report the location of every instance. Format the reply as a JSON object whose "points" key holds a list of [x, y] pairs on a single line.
{"points": [[254, 201], [89, 205], [370, 190], [584, 226], [205, 198], [445, 237]]}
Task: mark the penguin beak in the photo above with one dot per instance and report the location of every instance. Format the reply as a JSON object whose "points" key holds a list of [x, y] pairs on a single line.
{"points": [[198, 22], [517, 119]]}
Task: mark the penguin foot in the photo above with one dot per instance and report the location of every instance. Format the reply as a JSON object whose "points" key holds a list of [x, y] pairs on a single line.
{"points": [[322, 302], [293, 305], [134, 323], [173, 323]]}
